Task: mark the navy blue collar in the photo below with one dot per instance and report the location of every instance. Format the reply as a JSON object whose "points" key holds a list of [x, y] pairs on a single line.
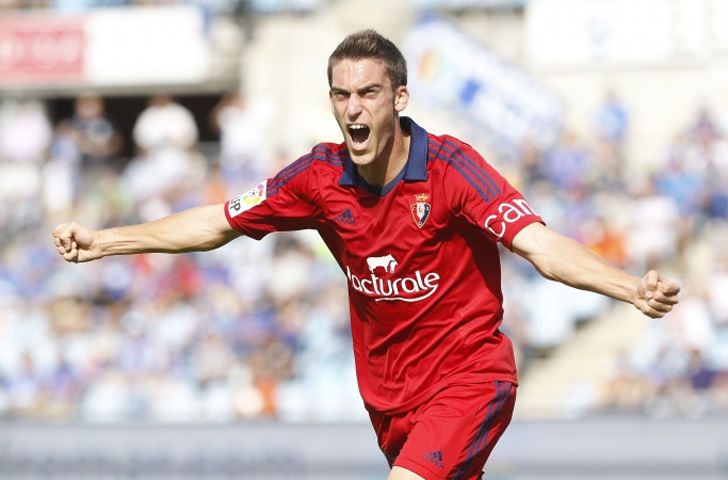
{"points": [[415, 170]]}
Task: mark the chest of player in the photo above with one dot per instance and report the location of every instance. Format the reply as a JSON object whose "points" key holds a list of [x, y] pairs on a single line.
{"points": [[396, 245], [410, 216]]}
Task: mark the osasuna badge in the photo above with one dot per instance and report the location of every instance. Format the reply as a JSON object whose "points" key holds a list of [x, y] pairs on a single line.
{"points": [[421, 209]]}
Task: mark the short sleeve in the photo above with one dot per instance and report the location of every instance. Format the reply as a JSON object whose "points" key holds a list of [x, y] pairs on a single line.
{"points": [[284, 202], [478, 193]]}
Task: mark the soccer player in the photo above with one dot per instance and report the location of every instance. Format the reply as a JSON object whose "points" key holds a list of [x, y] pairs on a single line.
{"points": [[414, 221]]}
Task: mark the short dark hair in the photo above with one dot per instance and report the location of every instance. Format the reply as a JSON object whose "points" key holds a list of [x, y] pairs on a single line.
{"points": [[370, 44]]}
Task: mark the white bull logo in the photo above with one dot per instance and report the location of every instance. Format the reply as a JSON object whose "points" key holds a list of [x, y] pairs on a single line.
{"points": [[387, 262]]}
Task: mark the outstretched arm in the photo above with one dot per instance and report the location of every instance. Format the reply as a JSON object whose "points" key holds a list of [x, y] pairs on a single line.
{"points": [[560, 258], [196, 229]]}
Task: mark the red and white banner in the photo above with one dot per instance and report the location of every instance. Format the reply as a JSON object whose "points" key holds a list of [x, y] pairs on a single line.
{"points": [[105, 47], [41, 50]]}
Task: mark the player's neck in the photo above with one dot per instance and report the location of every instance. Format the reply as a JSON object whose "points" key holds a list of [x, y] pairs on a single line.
{"points": [[385, 169]]}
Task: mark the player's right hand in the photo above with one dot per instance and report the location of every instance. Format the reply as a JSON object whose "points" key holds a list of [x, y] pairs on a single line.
{"points": [[76, 243]]}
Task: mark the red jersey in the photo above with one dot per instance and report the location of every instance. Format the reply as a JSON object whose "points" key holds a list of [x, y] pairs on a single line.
{"points": [[420, 256]]}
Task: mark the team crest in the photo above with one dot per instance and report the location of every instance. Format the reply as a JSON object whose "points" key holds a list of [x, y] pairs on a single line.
{"points": [[420, 210]]}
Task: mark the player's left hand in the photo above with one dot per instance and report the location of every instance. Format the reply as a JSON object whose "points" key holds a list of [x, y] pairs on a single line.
{"points": [[656, 295]]}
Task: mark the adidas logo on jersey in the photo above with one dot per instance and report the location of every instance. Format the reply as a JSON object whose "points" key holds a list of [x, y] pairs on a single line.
{"points": [[346, 217], [434, 457]]}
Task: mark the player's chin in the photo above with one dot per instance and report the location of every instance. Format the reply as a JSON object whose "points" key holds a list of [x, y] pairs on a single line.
{"points": [[361, 159], [360, 152]]}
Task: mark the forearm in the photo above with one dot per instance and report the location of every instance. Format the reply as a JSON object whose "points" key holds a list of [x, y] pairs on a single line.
{"points": [[196, 229], [562, 259], [572, 264]]}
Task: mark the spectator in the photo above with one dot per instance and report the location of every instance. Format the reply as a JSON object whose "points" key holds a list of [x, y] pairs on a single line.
{"points": [[25, 132], [165, 123], [25, 136], [612, 120], [570, 165], [655, 226], [611, 128], [95, 136], [167, 168], [241, 124]]}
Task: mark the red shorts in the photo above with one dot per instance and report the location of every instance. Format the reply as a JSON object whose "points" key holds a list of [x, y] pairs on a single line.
{"points": [[451, 435]]}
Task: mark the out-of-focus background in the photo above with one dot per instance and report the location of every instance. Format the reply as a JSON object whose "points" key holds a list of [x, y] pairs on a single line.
{"points": [[610, 116]]}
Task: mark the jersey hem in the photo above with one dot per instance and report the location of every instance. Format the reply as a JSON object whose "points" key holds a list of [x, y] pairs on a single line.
{"points": [[237, 226], [438, 387], [508, 242], [420, 469]]}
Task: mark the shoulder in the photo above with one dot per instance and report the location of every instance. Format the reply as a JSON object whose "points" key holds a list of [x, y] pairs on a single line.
{"points": [[464, 167], [324, 160], [329, 153], [323, 155], [455, 157], [447, 147]]}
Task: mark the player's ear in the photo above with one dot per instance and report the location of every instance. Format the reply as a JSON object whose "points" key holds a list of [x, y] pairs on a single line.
{"points": [[401, 98]]}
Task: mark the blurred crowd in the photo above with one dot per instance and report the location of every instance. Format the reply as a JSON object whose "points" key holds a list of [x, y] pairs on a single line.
{"points": [[671, 215], [260, 329], [251, 330]]}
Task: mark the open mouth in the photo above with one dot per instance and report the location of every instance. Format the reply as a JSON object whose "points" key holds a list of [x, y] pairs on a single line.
{"points": [[359, 134]]}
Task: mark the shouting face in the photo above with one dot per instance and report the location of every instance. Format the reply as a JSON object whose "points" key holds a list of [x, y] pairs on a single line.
{"points": [[367, 111]]}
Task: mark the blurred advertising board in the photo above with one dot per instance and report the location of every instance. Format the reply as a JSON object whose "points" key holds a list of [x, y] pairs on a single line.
{"points": [[609, 448], [104, 47], [575, 33], [41, 49], [452, 72]]}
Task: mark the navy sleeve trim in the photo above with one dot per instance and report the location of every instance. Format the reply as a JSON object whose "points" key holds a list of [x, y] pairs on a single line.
{"points": [[320, 152], [480, 180]]}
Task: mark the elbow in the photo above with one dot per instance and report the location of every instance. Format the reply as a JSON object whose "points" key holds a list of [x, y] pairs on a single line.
{"points": [[220, 239], [546, 273], [542, 266], [208, 243]]}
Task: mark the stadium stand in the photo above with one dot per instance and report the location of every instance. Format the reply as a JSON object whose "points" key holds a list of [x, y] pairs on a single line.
{"points": [[245, 333]]}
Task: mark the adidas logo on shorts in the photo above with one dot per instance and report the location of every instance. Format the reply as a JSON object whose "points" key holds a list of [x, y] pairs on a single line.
{"points": [[434, 457]]}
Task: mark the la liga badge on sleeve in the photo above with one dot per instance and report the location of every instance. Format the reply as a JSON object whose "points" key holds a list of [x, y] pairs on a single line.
{"points": [[248, 199]]}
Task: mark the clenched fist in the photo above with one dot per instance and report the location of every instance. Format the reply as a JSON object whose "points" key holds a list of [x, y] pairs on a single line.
{"points": [[656, 295], [76, 243]]}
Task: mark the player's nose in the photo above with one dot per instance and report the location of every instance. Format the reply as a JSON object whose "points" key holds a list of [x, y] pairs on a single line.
{"points": [[353, 106]]}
